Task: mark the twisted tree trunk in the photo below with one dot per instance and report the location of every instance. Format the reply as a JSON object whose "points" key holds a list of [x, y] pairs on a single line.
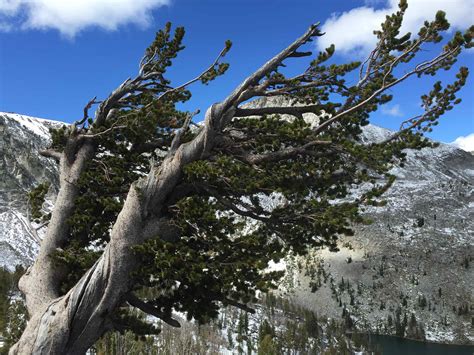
{"points": [[70, 324]]}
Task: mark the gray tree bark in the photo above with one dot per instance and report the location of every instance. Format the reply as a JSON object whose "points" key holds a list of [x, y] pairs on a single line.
{"points": [[72, 323]]}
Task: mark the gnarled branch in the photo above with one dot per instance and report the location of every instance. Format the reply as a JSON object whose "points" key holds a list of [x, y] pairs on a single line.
{"points": [[239, 305], [245, 90], [288, 110], [51, 153], [149, 309]]}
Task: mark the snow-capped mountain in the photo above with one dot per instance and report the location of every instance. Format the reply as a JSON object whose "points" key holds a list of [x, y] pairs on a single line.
{"points": [[417, 255], [21, 169]]}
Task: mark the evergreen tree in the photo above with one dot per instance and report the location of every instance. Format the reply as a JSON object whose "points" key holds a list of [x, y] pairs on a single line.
{"points": [[154, 215], [265, 329], [12, 309], [267, 346], [241, 333], [311, 324]]}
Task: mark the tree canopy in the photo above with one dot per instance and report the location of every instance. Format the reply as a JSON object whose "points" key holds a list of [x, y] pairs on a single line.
{"points": [[163, 214]]}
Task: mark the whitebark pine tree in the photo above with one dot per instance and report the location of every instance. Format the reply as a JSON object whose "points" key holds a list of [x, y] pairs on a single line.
{"points": [[202, 183]]}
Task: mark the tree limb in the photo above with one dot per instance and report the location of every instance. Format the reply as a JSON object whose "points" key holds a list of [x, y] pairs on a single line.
{"points": [[178, 137], [420, 68], [197, 78], [255, 159], [243, 92], [51, 153], [86, 112], [288, 110], [94, 135], [300, 54], [239, 305], [149, 309]]}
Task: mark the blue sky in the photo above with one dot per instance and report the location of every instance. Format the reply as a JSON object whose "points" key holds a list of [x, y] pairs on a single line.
{"points": [[55, 56]]}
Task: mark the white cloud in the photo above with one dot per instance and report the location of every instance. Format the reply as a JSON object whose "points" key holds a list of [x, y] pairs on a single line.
{"points": [[394, 110], [352, 31], [72, 16], [465, 142]]}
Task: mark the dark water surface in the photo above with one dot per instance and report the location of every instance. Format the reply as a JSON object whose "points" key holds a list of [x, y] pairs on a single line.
{"points": [[388, 345]]}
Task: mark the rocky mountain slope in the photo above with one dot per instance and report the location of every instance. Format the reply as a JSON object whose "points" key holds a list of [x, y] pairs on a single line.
{"points": [[21, 169], [416, 256]]}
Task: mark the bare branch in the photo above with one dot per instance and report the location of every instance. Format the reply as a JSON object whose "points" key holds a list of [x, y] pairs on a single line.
{"points": [[369, 62], [177, 139], [414, 122], [197, 78], [420, 68], [288, 110], [244, 92], [107, 106], [51, 153], [42, 225], [239, 305], [149, 309], [114, 127], [144, 62], [86, 111], [254, 159], [300, 54]]}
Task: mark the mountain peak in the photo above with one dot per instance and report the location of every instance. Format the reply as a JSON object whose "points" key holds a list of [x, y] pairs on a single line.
{"points": [[37, 126]]}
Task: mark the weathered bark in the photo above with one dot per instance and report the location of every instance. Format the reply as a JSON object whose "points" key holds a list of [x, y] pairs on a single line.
{"points": [[70, 324], [46, 277]]}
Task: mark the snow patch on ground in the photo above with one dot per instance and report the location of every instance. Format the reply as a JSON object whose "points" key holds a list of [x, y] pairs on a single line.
{"points": [[279, 266], [438, 335]]}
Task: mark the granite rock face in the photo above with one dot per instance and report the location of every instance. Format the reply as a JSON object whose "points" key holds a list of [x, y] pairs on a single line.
{"points": [[21, 169]]}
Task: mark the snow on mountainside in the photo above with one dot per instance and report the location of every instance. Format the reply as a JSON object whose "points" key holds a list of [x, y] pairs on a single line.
{"points": [[416, 256], [21, 168], [38, 126]]}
